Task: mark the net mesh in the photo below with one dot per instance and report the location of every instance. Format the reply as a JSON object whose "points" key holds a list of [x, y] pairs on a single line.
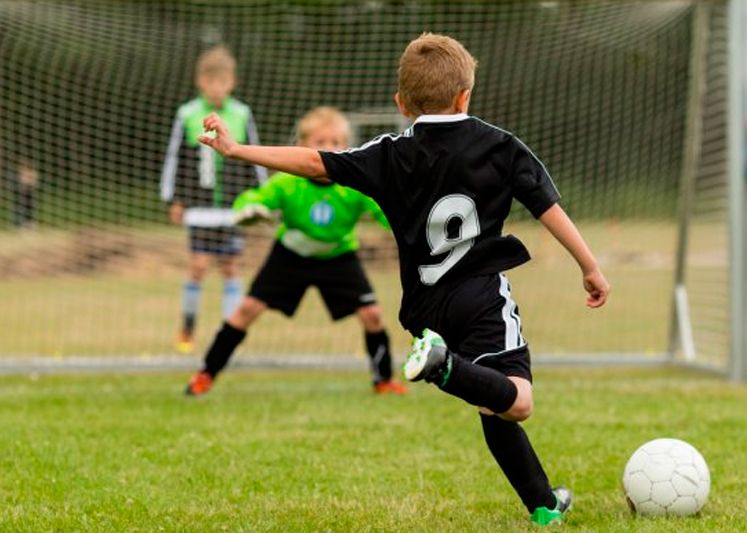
{"points": [[706, 274], [89, 264]]}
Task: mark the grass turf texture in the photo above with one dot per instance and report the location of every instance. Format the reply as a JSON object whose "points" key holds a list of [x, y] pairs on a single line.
{"points": [[278, 451]]}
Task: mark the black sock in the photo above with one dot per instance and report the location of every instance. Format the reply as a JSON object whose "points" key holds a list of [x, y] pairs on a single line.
{"points": [[512, 450], [377, 345], [479, 385], [220, 351], [189, 322]]}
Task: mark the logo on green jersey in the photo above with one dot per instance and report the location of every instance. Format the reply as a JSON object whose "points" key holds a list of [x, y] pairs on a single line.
{"points": [[322, 213]]}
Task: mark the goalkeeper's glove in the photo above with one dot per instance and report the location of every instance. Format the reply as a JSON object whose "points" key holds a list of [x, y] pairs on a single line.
{"points": [[251, 214]]}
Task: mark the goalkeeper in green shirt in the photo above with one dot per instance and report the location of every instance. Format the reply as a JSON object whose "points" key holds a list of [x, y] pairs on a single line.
{"points": [[316, 246]]}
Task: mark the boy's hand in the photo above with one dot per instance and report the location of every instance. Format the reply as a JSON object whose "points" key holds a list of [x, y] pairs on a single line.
{"points": [[251, 214], [597, 287], [221, 141], [563, 229], [176, 213]]}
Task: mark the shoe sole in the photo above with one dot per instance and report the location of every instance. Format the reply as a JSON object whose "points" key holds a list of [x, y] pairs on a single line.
{"points": [[416, 361]]}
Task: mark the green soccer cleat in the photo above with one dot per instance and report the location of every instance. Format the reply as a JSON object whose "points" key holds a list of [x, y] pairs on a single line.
{"points": [[542, 516], [428, 359]]}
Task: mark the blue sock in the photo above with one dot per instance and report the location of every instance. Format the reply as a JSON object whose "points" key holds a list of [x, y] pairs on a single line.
{"points": [[190, 303], [231, 296]]}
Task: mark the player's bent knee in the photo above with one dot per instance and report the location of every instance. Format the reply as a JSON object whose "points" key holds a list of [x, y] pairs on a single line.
{"points": [[517, 413], [252, 306], [247, 312], [520, 410], [523, 404], [371, 318]]}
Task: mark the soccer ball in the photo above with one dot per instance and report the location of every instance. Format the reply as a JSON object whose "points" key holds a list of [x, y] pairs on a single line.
{"points": [[666, 476]]}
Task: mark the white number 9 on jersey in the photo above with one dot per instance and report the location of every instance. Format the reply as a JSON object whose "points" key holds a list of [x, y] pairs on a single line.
{"points": [[444, 211]]}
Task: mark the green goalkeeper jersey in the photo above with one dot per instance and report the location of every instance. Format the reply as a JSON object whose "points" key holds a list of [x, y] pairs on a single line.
{"points": [[318, 220]]}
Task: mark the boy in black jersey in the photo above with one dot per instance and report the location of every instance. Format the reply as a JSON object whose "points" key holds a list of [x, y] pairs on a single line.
{"points": [[446, 186]]}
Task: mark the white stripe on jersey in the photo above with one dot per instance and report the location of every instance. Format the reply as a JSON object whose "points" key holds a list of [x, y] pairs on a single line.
{"points": [[252, 137], [377, 140], [168, 174], [422, 119]]}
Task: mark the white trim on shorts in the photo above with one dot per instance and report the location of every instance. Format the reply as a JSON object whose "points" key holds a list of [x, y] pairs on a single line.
{"points": [[514, 340]]}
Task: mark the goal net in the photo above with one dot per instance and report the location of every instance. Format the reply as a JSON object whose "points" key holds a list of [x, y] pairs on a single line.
{"points": [[622, 100]]}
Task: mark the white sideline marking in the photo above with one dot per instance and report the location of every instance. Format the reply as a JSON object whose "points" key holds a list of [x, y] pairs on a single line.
{"points": [[73, 364]]}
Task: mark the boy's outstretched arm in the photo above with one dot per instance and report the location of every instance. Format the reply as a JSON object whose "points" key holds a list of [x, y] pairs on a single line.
{"points": [[565, 231], [296, 160]]}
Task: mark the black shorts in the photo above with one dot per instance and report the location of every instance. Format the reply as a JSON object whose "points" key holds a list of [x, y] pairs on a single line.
{"points": [[480, 322], [216, 241], [283, 279]]}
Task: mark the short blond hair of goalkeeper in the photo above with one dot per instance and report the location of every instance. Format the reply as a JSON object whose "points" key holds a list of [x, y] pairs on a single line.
{"points": [[324, 119]]}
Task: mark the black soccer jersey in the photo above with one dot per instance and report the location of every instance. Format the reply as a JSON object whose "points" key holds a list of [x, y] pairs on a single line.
{"points": [[446, 187]]}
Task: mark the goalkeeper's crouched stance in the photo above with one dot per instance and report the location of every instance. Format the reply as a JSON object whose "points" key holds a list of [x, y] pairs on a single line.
{"points": [[316, 246]]}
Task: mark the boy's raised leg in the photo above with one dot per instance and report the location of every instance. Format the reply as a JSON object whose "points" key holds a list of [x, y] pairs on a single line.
{"points": [[431, 360]]}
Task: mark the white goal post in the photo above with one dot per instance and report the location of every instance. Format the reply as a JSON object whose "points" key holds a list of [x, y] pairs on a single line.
{"points": [[737, 177], [710, 260]]}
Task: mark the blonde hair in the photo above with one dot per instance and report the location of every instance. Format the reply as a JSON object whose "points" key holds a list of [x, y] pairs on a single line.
{"points": [[321, 116], [433, 70], [214, 61]]}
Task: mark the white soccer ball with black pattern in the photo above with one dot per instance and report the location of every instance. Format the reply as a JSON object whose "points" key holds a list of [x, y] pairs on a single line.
{"points": [[666, 477]]}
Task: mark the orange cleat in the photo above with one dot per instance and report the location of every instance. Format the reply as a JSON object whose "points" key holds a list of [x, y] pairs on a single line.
{"points": [[390, 387], [200, 384]]}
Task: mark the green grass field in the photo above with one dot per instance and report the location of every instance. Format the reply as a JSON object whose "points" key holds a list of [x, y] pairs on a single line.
{"points": [[285, 451]]}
